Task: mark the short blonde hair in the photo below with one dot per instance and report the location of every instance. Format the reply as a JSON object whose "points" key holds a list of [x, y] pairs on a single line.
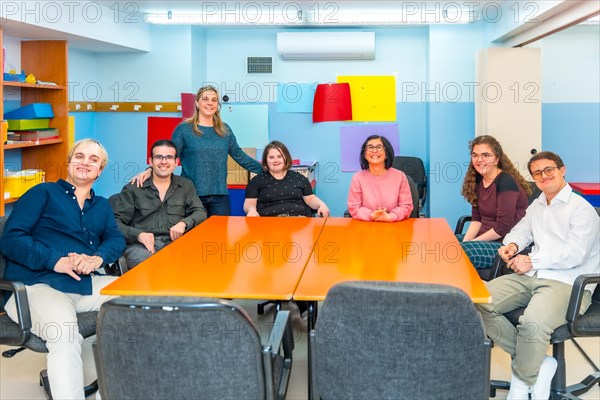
{"points": [[103, 153]]}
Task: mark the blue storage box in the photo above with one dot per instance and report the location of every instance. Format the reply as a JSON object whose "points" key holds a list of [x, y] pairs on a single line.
{"points": [[14, 77], [31, 111]]}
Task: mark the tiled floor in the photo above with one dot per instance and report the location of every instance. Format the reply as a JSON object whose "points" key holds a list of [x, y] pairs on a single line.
{"points": [[19, 375]]}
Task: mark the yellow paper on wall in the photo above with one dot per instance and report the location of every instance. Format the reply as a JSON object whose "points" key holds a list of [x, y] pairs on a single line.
{"points": [[373, 97], [71, 133]]}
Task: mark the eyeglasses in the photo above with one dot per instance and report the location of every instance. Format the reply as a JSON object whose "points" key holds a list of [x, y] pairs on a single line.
{"points": [[372, 149], [484, 156], [160, 157], [548, 171]]}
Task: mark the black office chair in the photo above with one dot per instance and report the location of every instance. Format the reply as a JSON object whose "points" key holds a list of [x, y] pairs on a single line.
{"points": [[396, 340], [187, 347], [13, 334], [414, 167], [585, 325], [415, 199]]}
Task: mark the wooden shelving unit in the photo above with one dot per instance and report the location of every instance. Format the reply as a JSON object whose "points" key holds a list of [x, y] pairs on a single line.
{"points": [[47, 60]]}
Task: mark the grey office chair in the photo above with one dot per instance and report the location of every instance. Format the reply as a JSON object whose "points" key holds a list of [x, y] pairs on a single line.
{"points": [[187, 347], [394, 340], [13, 334]]}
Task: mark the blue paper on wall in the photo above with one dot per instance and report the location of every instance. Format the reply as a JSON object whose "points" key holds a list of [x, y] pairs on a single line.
{"points": [[352, 138], [249, 122], [295, 97]]}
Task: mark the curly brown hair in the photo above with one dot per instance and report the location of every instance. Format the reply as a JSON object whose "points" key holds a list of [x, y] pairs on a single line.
{"points": [[217, 122], [504, 163]]}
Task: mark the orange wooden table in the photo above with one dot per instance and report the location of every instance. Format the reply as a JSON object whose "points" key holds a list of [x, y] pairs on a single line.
{"points": [[228, 257], [422, 250], [415, 250]]}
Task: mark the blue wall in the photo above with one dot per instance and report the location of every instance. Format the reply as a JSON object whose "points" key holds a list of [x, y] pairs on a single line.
{"points": [[431, 125]]}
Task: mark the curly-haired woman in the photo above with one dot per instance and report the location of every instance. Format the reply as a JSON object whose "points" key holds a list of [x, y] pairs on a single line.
{"points": [[498, 195]]}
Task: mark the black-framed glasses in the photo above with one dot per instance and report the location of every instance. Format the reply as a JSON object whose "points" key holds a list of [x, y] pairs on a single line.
{"points": [[548, 171], [160, 157], [372, 149]]}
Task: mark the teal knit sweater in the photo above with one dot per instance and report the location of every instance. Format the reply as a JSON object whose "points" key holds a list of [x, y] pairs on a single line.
{"points": [[204, 158]]}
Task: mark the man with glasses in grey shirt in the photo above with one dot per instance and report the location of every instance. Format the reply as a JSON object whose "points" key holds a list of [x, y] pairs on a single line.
{"points": [[160, 211]]}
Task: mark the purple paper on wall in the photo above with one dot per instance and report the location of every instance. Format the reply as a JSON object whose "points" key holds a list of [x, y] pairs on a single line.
{"points": [[352, 138]]}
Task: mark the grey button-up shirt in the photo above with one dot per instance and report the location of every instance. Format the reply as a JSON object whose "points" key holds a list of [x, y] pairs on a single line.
{"points": [[140, 209]]}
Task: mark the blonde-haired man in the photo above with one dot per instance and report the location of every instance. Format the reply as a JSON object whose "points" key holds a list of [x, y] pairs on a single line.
{"points": [[56, 238]]}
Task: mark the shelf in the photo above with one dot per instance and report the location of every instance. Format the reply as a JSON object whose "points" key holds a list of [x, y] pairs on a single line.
{"points": [[31, 144], [11, 200], [32, 85]]}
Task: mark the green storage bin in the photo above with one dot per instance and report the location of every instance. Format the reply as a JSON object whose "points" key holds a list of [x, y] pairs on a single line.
{"points": [[28, 124]]}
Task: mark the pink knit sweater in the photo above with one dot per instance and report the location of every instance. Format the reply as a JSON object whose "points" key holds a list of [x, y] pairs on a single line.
{"points": [[369, 192]]}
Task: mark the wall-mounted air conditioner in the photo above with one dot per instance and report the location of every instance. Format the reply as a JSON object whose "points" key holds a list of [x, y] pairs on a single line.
{"points": [[325, 45]]}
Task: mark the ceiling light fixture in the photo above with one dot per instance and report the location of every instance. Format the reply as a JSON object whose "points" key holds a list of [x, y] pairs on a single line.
{"points": [[251, 17]]}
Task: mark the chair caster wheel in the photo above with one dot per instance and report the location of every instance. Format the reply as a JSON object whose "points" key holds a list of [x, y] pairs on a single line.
{"points": [[45, 384]]}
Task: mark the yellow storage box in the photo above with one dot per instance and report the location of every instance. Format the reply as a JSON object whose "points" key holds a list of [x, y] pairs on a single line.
{"points": [[16, 183]]}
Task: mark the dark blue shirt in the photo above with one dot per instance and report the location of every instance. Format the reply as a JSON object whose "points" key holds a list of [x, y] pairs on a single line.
{"points": [[47, 224]]}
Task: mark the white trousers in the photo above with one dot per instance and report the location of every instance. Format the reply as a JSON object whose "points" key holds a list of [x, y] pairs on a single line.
{"points": [[54, 319]]}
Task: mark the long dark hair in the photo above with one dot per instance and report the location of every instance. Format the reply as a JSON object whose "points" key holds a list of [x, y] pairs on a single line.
{"points": [[389, 152]]}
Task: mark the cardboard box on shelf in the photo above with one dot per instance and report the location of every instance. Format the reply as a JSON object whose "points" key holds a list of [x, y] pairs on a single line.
{"points": [[236, 175], [18, 182]]}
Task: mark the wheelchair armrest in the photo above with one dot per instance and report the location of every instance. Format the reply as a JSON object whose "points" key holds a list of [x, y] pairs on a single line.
{"points": [[281, 335], [22, 306], [460, 224], [575, 301]]}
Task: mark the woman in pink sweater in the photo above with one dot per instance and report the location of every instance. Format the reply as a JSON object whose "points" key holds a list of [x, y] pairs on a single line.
{"points": [[379, 192]]}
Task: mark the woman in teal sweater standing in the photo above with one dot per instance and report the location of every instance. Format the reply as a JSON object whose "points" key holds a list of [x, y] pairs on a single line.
{"points": [[203, 143]]}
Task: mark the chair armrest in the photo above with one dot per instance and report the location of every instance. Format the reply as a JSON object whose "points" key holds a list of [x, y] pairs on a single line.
{"points": [[114, 269], [460, 224], [22, 305], [575, 301]]}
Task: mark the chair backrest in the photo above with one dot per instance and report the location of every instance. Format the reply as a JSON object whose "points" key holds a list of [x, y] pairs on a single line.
{"points": [[415, 197], [400, 341], [535, 192], [2, 263], [2, 259], [177, 348], [413, 167]]}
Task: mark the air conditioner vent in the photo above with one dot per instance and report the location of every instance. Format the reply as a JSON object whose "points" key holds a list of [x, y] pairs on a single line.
{"points": [[260, 65]]}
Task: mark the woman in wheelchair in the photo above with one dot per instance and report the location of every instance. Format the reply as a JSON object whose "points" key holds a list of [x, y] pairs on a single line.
{"points": [[279, 191], [498, 195]]}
